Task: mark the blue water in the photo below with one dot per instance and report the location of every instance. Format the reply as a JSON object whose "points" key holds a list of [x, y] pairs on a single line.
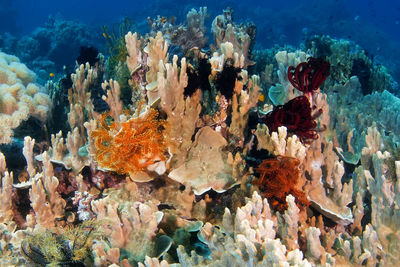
{"points": [[375, 25]]}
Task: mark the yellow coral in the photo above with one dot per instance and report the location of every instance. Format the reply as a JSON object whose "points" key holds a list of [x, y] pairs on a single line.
{"points": [[133, 146]]}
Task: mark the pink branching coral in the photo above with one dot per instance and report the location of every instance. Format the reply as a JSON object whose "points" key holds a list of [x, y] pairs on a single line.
{"points": [[296, 116], [309, 76], [278, 179]]}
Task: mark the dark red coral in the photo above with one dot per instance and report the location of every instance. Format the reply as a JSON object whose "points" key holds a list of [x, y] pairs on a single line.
{"points": [[296, 116], [278, 178], [309, 76]]}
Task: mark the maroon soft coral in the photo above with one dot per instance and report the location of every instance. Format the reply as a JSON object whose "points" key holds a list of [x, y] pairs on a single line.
{"points": [[309, 76], [296, 116]]}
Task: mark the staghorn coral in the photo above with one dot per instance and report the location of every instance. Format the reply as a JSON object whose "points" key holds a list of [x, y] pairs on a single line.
{"points": [[133, 147], [278, 178]]}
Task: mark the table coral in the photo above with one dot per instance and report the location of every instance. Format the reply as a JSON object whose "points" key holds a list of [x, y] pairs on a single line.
{"points": [[207, 164]]}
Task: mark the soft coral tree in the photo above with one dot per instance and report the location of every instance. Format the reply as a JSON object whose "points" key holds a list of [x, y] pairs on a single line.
{"points": [[132, 146]]}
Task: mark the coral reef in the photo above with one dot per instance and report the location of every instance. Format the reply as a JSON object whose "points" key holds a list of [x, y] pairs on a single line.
{"points": [[196, 167]]}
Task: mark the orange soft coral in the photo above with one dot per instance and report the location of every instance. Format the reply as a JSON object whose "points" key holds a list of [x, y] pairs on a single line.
{"points": [[278, 178], [129, 146]]}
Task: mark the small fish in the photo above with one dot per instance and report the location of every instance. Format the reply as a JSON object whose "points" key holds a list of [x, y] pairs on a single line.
{"points": [[105, 35], [261, 98], [51, 74], [163, 19], [356, 17]]}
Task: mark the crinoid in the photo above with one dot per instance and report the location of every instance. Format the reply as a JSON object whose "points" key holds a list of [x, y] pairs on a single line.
{"points": [[132, 146], [309, 76], [69, 248], [278, 178], [296, 116]]}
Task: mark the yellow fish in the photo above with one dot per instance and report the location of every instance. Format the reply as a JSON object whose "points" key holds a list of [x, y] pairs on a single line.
{"points": [[51, 75], [261, 98]]}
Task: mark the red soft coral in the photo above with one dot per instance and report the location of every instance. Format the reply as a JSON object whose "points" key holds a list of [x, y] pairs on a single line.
{"points": [[278, 178]]}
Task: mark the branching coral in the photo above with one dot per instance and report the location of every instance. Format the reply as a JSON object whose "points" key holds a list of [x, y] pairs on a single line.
{"points": [[136, 145], [130, 226], [278, 178], [6, 180], [278, 143], [240, 36]]}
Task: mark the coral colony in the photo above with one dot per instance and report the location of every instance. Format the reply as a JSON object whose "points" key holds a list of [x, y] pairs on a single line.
{"points": [[181, 159]]}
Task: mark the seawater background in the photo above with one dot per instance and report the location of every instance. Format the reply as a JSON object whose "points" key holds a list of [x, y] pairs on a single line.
{"points": [[375, 25]]}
